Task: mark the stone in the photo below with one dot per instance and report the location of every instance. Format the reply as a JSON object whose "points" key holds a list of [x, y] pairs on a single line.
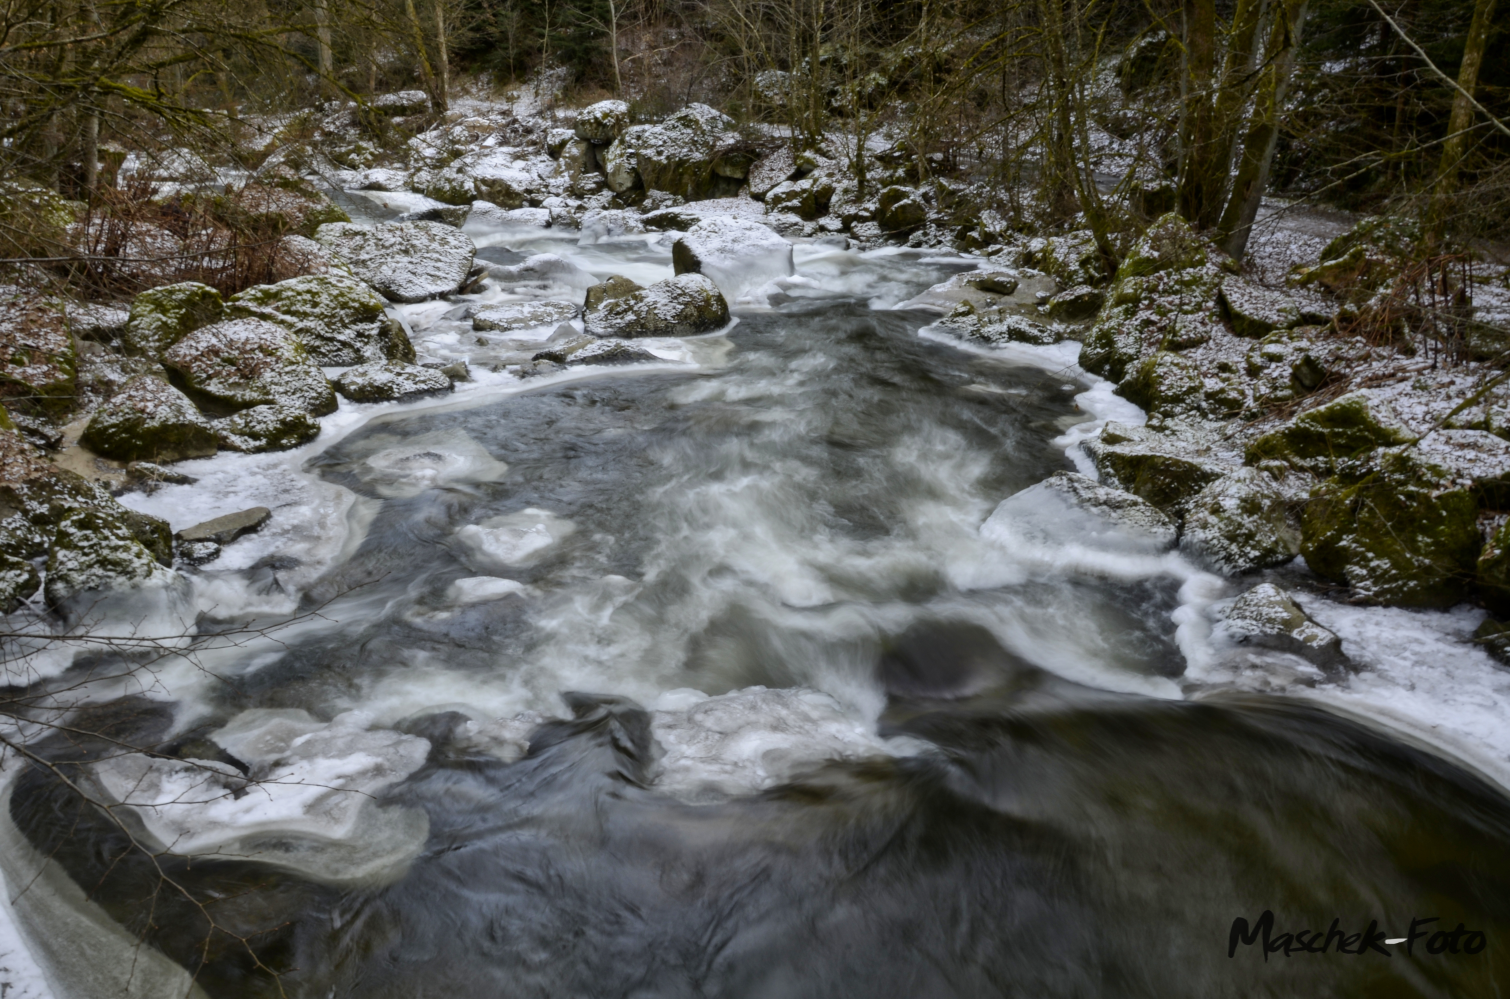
{"points": [[1144, 60], [1168, 244], [1395, 529], [404, 261], [682, 306], [543, 272], [1164, 473], [1492, 573], [1494, 637], [996, 283], [671, 219], [39, 362], [227, 528], [450, 215], [616, 286], [1068, 507], [388, 381], [1165, 383], [401, 103], [1240, 523], [337, 319], [1072, 257], [793, 196], [1168, 309], [606, 352], [1268, 618], [92, 552], [899, 208], [556, 141], [269, 427], [524, 315], [488, 174], [736, 254], [241, 363], [1287, 364], [602, 122], [148, 420], [1075, 304], [1344, 428], [160, 317], [679, 155], [773, 168], [19, 579], [1253, 310]]}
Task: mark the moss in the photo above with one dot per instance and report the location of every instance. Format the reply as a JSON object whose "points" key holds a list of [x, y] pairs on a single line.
{"points": [[38, 362], [1318, 439], [1396, 531], [93, 551], [1493, 572], [148, 420], [1153, 471], [338, 320], [241, 363], [266, 428], [1168, 244], [1239, 524], [1164, 383], [19, 542], [161, 317]]}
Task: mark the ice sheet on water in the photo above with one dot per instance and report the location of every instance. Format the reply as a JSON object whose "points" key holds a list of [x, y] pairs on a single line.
{"points": [[756, 738], [407, 466], [479, 589], [305, 803], [513, 539]]}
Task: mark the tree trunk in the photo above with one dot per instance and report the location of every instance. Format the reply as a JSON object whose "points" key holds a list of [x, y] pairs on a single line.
{"points": [[1195, 131], [1211, 163], [613, 45], [1263, 130], [437, 98], [442, 51], [91, 151], [1462, 117], [322, 32]]}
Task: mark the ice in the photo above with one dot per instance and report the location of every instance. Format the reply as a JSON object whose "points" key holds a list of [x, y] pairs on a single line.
{"points": [[306, 802], [749, 740], [397, 201], [513, 539], [477, 589], [408, 466]]}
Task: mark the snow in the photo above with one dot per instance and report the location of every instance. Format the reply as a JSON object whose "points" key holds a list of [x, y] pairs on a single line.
{"points": [[735, 253], [513, 539]]}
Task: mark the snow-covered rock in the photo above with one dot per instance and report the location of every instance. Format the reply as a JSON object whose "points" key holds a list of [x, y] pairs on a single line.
{"points": [[1268, 618], [92, 552], [775, 167], [148, 420], [737, 254], [517, 539], [1239, 524], [675, 307], [269, 427], [543, 271], [404, 261], [385, 381], [487, 174], [603, 224], [161, 316], [337, 319], [524, 315], [690, 154], [485, 214], [241, 363], [603, 122]]}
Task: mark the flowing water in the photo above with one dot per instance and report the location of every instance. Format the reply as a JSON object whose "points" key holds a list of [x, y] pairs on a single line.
{"points": [[724, 690]]}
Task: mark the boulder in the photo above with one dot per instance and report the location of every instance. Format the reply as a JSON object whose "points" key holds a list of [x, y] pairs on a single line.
{"points": [[19, 579], [671, 219], [487, 174], [1254, 310], [387, 381], [524, 315], [1167, 309], [1364, 259], [337, 319], [610, 352], [148, 420], [1344, 428], [1494, 637], [401, 103], [1073, 258], [1493, 573], [1168, 244], [771, 169], [450, 215], [615, 287], [1287, 364], [1068, 508], [556, 140], [680, 155], [91, 553], [1395, 529], [796, 197], [1073, 304], [1166, 384], [736, 254], [543, 272], [241, 363], [269, 427], [1240, 523], [682, 306], [1164, 472], [161, 316], [899, 208], [1268, 618], [602, 122], [404, 261], [38, 359]]}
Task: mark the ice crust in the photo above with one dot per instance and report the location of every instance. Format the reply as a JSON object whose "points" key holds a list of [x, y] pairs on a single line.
{"points": [[736, 253], [513, 539]]}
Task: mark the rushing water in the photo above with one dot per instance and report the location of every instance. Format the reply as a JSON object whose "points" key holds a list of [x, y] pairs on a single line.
{"points": [[725, 692]]}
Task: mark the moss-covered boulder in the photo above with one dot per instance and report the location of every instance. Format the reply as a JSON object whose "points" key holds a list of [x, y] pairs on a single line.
{"points": [[680, 306], [337, 319], [38, 363], [1165, 310], [529, 314], [1164, 383], [798, 197], [390, 381], [92, 552], [603, 122], [148, 420], [241, 363], [1493, 572], [1287, 364], [1240, 523], [161, 317], [269, 427], [898, 208], [1318, 439], [1364, 259], [615, 286], [1072, 257], [1396, 530], [1166, 473], [1168, 244], [1076, 304]]}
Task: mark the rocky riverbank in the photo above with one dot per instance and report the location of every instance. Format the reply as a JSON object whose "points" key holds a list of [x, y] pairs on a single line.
{"points": [[1311, 411]]}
